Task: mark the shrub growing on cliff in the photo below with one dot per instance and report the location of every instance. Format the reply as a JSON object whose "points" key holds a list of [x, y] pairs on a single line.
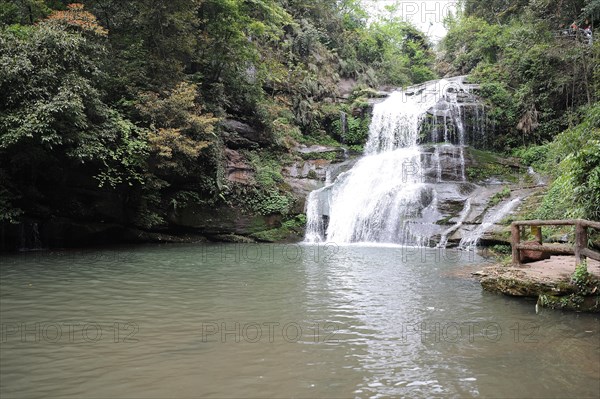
{"points": [[574, 159]]}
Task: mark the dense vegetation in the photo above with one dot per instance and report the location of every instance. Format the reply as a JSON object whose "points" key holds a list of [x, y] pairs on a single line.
{"points": [[117, 110], [128, 112], [542, 86]]}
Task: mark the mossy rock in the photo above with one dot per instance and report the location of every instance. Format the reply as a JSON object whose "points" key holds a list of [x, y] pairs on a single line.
{"points": [[329, 156], [233, 238], [573, 302], [282, 234], [222, 221], [486, 165], [515, 286]]}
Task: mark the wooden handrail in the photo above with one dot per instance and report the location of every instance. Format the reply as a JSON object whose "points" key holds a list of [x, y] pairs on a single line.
{"points": [[580, 249], [567, 222]]}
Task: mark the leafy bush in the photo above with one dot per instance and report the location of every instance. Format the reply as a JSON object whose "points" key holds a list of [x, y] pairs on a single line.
{"points": [[269, 203], [535, 156], [355, 132]]}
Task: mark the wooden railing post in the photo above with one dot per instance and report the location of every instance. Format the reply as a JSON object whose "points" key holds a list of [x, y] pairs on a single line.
{"points": [[537, 231], [580, 241], [515, 241]]}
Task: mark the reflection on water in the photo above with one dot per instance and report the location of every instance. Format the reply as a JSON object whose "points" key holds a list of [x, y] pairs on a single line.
{"points": [[279, 321]]}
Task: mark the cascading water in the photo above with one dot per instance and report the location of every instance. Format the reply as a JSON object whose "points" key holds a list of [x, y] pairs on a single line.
{"points": [[390, 195], [438, 164], [314, 220], [461, 219], [461, 134], [469, 241]]}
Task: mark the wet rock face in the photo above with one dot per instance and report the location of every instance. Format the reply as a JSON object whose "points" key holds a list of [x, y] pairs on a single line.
{"points": [[445, 163], [319, 165], [304, 177], [310, 169], [238, 169]]}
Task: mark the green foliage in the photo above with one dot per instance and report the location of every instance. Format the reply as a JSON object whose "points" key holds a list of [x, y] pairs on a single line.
{"points": [[267, 195], [542, 89], [574, 160], [535, 156], [328, 156], [502, 11], [355, 131], [403, 54], [177, 131], [531, 77], [8, 211], [470, 41], [269, 203], [488, 164], [291, 228], [582, 279], [499, 196], [586, 295], [297, 222], [54, 121], [22, 11], [501, 249], [268, 170]]}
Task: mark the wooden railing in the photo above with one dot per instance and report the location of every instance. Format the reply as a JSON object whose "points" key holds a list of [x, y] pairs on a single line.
{"points": [[580, 249]]}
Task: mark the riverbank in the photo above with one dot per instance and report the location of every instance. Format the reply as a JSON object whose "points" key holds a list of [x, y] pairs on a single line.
{"points": [[556, 282]]}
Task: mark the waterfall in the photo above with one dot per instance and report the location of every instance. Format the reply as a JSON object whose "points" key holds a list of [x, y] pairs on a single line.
{"points": [[435, 134], [377, 200], [343, 123], [315, 219], [438, 164], [390, 194], [470, 240], [461, 219], [481, 126], [461, 137], [539, 181], [446, 139]]}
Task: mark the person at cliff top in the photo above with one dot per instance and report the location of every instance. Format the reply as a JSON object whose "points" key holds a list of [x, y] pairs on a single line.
{"points": [[586, 29]]}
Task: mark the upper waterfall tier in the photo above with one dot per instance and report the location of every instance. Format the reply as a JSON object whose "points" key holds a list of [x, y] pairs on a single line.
{"points": [[396, 121]]}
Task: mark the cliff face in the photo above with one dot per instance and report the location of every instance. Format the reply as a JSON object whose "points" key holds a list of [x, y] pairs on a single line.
{"points": [[269, 185]]}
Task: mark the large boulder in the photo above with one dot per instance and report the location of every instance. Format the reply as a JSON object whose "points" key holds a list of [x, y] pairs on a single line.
{"points": [[528, 256], [237, 134]]}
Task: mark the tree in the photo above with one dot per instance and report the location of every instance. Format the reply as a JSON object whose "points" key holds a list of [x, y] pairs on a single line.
{"points": [[52, 114], [177, 131], [25, 12]]}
